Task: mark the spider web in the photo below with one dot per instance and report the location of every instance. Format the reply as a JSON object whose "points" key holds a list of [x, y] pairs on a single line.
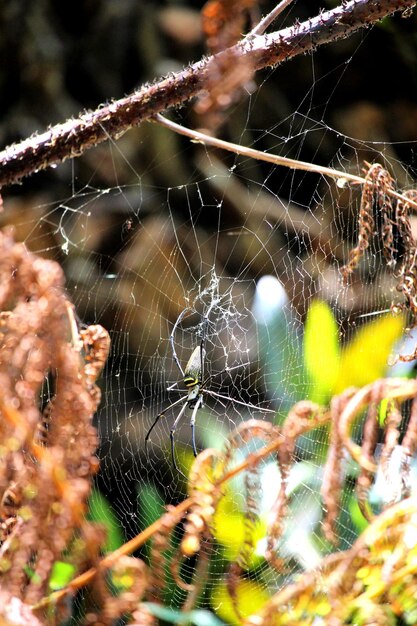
{"points": [[242, 247]]}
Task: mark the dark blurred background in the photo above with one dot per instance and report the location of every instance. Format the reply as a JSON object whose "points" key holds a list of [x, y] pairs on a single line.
{"points": [[60, 58], [115, 215]]}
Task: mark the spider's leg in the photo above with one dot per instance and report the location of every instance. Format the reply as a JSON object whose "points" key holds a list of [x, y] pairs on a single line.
{"points": [[171, 339], [161, 414], [220, 402], [171, 387], [172, 433], [197, 405], [247, 404]]}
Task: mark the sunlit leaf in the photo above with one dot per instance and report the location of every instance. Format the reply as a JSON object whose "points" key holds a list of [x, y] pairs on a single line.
{"points": [[383, 411], [61, 575], [321, 350], [230, 528], [365, 358], [250, 597], [356, 515], [100, 511]]}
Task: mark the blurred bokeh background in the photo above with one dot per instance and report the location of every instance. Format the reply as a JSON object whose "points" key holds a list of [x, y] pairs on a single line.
{"points": [[143, 226]]}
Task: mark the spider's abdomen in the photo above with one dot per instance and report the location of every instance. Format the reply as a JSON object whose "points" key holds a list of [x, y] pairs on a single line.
{"points": [[192, 373], [190, 381]]}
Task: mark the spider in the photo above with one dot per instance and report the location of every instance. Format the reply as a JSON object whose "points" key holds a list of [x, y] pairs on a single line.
{"points": [[192, 377]]}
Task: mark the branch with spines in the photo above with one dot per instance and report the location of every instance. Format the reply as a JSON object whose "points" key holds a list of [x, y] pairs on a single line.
{"points": [[76, 136]]}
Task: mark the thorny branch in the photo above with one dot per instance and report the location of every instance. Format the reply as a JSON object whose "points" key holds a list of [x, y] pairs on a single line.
{"points": [[74, 137]]}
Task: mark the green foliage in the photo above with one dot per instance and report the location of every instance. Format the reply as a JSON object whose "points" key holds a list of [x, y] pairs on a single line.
{"points": [[173, 616], [250, 598], [365, 358], [321, 350], [100, 511], [61, 575], [331, 367], [150, 502], [356, 516], [231, 528]]}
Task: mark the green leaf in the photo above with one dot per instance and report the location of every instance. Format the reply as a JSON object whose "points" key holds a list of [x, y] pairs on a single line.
{"points": [[358, 519], [62, 573], [321, 350], [250, 598], [383, 411], [365, 358], [100, 511], [173, 616], [151, 504], [230, 529]]}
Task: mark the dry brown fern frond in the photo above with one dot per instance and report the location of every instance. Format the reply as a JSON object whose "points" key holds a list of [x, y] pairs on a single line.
{"points": [[227, 74], [374, 194], [45, 478], [341, 586], [332, 483], [395, 391], [372, 583], [387, 217]]}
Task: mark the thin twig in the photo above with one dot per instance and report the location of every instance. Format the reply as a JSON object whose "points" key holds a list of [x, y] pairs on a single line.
{"points": [[109, 561], [266, 21], [294, 164], [74, 137]]}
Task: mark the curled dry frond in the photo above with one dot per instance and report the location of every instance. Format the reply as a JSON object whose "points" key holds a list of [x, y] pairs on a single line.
{"points": [[302, 418], [160, 545], [407, 284], [252, 488], [96, 344], [205, 494], [374, 191], [207, 475], [395, 392], [212, 470], [381, 213], [44, 484], [363, 583], [369, 443], [333, 475], [394, 388], [393, 460], [130, 577], [392, 424], [409, 442], [244, 433], [228, 73]]}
